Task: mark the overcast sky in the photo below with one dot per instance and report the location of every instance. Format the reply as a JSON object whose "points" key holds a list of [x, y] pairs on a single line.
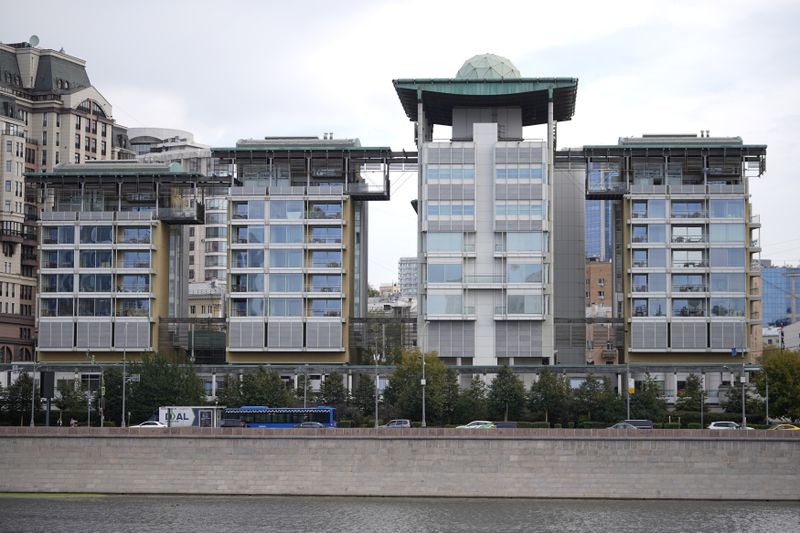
{"points": [[232, 70]]}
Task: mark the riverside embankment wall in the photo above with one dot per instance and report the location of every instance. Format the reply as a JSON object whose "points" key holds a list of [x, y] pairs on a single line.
{"points": [[679, 464]]}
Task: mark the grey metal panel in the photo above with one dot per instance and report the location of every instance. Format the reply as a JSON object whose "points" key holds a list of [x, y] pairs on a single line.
{"points": [[246, 334], [648, 335], [94, 334], [56, 334], [517, 225], [448, 225], [451, 192], [324, 335], [518, 338], [451, 338], [689, 335], [728, 335], [285, 335], [532, 191]]}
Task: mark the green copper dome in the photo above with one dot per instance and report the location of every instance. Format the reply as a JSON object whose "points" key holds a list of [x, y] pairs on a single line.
{"points": [[488, 67]]}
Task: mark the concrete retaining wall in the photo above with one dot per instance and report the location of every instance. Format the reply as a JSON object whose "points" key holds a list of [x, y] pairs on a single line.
{"points": [[762, 465]]}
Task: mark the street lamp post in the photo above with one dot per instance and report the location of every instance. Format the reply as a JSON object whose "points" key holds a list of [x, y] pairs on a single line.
{"points": [[742, 380], [33, 393], [124, 372], [422, 382], [375, 358], [766, 393]]}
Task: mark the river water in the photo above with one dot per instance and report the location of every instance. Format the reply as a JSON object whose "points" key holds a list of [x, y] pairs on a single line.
{"points": [[175, 514]]}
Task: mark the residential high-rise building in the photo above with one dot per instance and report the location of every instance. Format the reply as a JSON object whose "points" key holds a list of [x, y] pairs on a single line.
{"points": [[297, 241], [599, 229], [688, 275], [50, 114], [408, 269], [489, 207], [111, 241]]}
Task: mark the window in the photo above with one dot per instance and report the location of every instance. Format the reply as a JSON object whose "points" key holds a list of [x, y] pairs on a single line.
{"points": [[133, 283], [326, 235], [134, 307], [529, 174], [248, 258], [94, 307], [285, 307], [252, 209], [325, 211], [248, 234], [444, 273], [284, 234], [445, 242], [524, 304], [688, 307], [687, 210], [324, 307], [726, 233], [286, 209], [729, 282], [96, 235], [57, 307], [103, 145], [449, 173], [216, 233], [687, 234], [726, 208], [445, 304], [437, 209], [247, 282], [726, 257], [8, 185], [135, 259], [524, 242], [95, 282], [326, 259], [192, 309], [286, 282], [687, 258], [58, 283], [293, 258], [688, 283], [326, 283], [727, 306], [524, 273], [95, 258], [649, 307], [519, 209]]}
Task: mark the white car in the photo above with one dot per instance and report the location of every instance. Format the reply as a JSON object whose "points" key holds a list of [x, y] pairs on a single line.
{"points": [[150, 424], [725, 424], [478, 424]]}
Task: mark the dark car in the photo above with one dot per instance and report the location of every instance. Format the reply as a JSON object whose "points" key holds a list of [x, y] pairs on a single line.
{"points": [[231, 423], [641, 424], [310, 425], [398, 423]]}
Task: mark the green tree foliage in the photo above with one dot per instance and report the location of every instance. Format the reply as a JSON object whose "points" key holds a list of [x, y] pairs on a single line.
{"points": [[732, 401], [549, 397], [364, 395], [404, 392], [506, 395], [372, 292], [112, 380], [333, 392], [162, 383], [18, 401], [71, 401], [303, 388], [689, 399], [265, 387], [595, 400], [782, 369], [230, 394], [647, 402], [472, 402]]}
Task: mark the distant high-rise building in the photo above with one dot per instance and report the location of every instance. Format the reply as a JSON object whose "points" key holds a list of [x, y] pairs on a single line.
{"points": [[50, 114], [780, 298], [500, 227], [408, 268], [599, 220]]}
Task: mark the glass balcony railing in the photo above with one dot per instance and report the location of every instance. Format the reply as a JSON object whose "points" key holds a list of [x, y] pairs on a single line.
{"points": [[484, 278], [689, 288]]}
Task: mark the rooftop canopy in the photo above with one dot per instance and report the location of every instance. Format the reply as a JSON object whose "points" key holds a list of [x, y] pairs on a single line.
{"points": [[441, 95]]}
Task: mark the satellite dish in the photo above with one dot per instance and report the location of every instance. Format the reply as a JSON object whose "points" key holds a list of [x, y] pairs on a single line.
{"points": [[34, 41]]}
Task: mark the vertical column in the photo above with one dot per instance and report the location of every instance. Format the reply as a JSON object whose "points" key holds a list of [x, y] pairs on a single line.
{"points": [[422, 313], [549, 303]]}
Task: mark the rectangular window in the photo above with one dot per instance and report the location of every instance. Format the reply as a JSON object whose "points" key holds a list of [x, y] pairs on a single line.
{"points": [[448, 209], [94, 307], [726, 233], [449, 173], [519, 209], [525, 304], [726, 257], [286, 307], [96, 235], [524, 174], [687, 258], [8, 185], [249, 234], [133, 283], [283, 234], [326, 283], [524, 273], [687, 234], [687, 210], [135, 259], [328, 211], [727, 306], [688, 283], [286, 283], [134, 307], [247, 282], [727, 282], [216, 233], [444, 273], [726, 208], [445, 304], [324, 307], [649, 307], [326, 235], [286, 209], [95, 282], [524, 241], [326, 259], [95, 258], [688, 307], [56, 307], [251, 209], [445, 242], [286, 258]]}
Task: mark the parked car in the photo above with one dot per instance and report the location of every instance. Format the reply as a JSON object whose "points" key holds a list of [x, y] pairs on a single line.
{"points": [[478, 424], [308, 424], [641, 424], [623, 425], [724, 424], [785, 427], [150, 424], [398, 423]]}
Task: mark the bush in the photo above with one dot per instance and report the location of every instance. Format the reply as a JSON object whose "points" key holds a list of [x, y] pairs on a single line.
{"points": [[590, 424], [541, 425], [694, 425], [345, 423], [556, 426], [672, 425]]}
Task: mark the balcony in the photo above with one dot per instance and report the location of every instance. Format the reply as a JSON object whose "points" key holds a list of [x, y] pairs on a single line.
{"points": [[755, 221], [10, 235], [690, 215], [484, 278], [609, 354], [682, 239], [754, 246], [182, 215], [689, 288], [689, 264]]}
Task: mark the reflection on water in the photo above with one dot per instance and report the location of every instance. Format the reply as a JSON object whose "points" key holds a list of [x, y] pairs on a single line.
{"points": [[264, 513]]}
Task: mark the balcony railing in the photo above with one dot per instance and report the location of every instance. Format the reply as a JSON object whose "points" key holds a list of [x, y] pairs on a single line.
{"points": [[484, 278], [689, 264], [689, 239], [133, 288], [324, 288], [693, 214], [689, 287]]}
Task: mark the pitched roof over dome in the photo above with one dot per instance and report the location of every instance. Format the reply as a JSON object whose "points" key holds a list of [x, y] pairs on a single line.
{"points": [[488, 67]]}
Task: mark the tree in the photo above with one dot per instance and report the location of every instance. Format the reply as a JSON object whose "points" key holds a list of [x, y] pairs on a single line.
{"points": [[364, 395], [732, 403], [372, 292], [549, 396], [782, 369], [71, 401], [472, 403], [506, 395], [303, 391], [162, 383], [333, 393], [231, 393], [18, 401], [595, 400], [404, 392], [264, 387], [647, 402], [691, 397], [112, 380]]}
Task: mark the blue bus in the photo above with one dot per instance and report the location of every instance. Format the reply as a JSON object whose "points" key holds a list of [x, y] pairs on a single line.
{"points": [[259, 416]]}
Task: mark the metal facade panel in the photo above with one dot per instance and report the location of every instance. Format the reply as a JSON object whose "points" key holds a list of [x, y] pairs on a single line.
{"points": [[689, 335], [646, 335], [246, 334], [528, 191], [452, 338], [94, 334], [285, 335], [324, 335], [518, 338], [727, 335]]}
